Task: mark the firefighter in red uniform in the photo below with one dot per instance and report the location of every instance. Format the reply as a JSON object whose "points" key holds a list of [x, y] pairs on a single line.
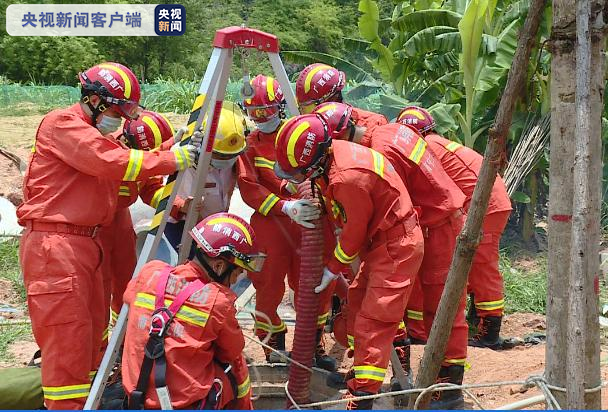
{"points": [[188, 311], [441, 202], [462, 164], [364, 196], [276, 220], [319, 83], [70, 190], [149, 131]]}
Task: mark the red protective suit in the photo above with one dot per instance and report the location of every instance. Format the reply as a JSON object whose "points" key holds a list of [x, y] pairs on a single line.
{"points": [[369, 120], [278, 236], [70, 190], [463, 164], [204, 332], [441, 202], [367, 199]]}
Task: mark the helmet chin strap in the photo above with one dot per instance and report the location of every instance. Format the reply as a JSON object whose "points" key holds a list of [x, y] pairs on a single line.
{"points": [[220, 278], [95, 111]]}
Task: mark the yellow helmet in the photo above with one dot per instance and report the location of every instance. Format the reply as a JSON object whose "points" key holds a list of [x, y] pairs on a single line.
{"points": [[230, 135]]}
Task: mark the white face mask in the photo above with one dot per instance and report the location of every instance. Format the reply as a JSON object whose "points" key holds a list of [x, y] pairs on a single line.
{"points": [[223, 163], [108, 124], [270, 125]]}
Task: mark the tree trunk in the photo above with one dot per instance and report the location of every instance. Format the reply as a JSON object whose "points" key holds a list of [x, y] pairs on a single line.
{"points": [[563, 66], [469, 237]]}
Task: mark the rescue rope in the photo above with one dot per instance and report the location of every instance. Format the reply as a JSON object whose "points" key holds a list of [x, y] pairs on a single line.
{"points": [[533, 380]]}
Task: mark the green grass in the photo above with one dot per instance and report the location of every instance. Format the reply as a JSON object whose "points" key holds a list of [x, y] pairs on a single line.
{"points": [[525, 288], [9, 269]]}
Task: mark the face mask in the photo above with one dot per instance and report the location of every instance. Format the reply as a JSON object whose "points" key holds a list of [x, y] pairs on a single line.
{"points": [[223, 163], [108, 124], [270, 125]]}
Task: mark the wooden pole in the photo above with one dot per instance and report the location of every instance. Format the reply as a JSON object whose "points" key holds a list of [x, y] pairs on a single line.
{"points": [[469, 237], [563, 84], [583, 353], [575, 336]]}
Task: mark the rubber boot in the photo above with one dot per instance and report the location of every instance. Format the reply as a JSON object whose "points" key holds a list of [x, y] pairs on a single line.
{"points": [[402, 348], [472, 316], [364, 404], [338, 380], [488, 335], [322, 359], [276, 342], [453, 399]]}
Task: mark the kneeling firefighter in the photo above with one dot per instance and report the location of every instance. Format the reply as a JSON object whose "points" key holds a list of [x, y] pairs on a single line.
{"points": [[182, 334]]}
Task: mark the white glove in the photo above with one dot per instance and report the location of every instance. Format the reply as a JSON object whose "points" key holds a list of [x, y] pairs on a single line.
{"points": [[327, 278], [177, 137], [184, 155], [197, 139], [302, 211]]}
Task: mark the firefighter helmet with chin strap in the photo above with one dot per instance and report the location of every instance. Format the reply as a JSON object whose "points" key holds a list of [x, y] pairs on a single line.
{"points": [[318, 83], [267, 100], [148, 131], [229, 237], [418, 118], [338, 117], [115, 85], [301, 145]]}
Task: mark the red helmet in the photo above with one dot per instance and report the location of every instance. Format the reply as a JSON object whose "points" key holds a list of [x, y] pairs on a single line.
{"points": [[229, 237], [418, 118], [267, 100], [316, 84], [116, 85], [337, 115], [301, 143], [148, 131]]}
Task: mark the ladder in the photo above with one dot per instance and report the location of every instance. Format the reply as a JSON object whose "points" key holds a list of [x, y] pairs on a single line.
{"points": [[207, 104]]}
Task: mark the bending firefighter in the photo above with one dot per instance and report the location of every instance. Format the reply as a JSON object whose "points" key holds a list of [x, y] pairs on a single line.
{"points": [[183, 345], [363, 196], [277, 219], [70, 190], [440, 202], [463, 164]]}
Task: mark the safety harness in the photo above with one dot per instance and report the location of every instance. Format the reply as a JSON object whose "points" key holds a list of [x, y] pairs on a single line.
{"points": [[154, 353]]}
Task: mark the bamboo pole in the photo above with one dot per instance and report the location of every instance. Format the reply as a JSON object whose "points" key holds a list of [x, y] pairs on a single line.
{"points": [[469, 237]]}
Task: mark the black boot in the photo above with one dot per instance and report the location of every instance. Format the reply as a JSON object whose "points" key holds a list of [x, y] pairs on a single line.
{"points": [[364, 404], [472, 316], [276, 342], [488, 335], [338, 380], [449, 399], [322, 359], [402, 348]]}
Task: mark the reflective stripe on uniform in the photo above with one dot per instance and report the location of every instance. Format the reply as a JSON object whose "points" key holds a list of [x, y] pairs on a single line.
{"points": [[342, 256], [369, 372], [263, 162], [113, 315], [156, 198], [106, 333], [414, 315], [492, 305], [418, 151], [461, 362], [186, 313], [270, 328], [322, 319], [92, 375], [268, 203], [57, 393], [378, 163], [453, 146], [136, 159], [351, 341], [124, 191], [243, 388], [401, 325]]}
